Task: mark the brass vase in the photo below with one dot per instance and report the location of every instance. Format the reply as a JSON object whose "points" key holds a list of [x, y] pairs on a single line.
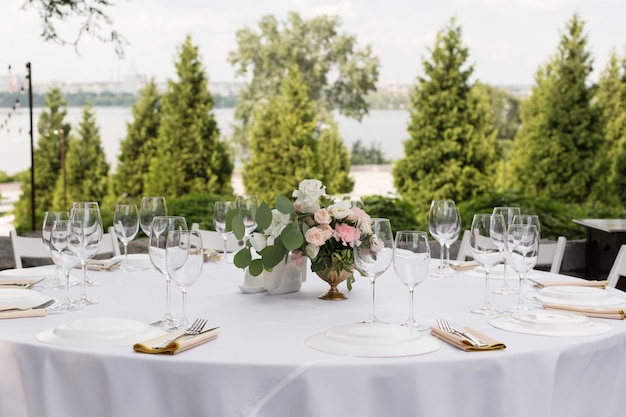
{"points": [[333, 279]]}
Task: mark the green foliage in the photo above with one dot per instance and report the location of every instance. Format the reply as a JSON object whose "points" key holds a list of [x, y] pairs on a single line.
{"points": [[189, 156], [4, 177], [401, 214], [197, 208], [86, 167], [452, 152], [505, 109], [362, 155], [333, 159], [555, 149], [138, 148], [338, 73]]}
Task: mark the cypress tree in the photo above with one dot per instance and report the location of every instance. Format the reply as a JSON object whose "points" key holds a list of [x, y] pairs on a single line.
{"points": [[555, 149], [452, 151], [86, 165], [189, 157], [333, 159], [138, 148]]}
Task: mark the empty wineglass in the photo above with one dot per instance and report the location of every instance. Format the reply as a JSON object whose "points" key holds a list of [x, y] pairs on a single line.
{"points": [[452, 237], [150, 207], [49, 218], [522, 248], [528, 219], [184, 258], [487, 237], [126, 226], [509, 214], [248, 205], [160, 229], [90, 238], [442, 218], [66, 258], [220, 214], [411, 258], [373, 253]]}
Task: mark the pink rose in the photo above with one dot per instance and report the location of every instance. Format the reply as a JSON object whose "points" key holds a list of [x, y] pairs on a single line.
{"points": [[315, 236], [359, 214], [328, 231], [322, 216], [297, 258], [347, 234]]}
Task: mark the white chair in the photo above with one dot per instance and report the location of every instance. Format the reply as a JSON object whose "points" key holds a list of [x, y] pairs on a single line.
{"points": [[27, 247], [551, 254], [464, 250], [212, 239], [110, 243], [618, 269]]}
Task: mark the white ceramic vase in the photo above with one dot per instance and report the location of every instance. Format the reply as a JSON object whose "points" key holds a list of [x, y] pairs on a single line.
{"points": [[286, 277]]}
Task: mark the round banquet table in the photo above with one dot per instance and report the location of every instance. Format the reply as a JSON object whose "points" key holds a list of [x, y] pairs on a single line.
{"points": [[260, 365]]}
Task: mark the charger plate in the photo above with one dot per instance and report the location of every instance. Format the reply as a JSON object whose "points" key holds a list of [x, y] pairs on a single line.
{"points": [[550, 323], [98, 332], [577, 295], [375, 340]]}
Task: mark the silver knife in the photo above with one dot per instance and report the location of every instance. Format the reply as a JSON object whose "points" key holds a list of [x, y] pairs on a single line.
{"points": [[473, 339]]}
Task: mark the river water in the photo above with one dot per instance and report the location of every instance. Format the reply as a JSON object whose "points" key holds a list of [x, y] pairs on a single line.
{"points": [[384, 127]]}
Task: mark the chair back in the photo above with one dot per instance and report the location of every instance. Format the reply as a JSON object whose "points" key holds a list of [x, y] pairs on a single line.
{"points": [[551, 254], [465, 251], [618, 269], [110, 243], [27, 247]]}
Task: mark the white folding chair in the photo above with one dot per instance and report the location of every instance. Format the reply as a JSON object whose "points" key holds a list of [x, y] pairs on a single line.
{"points": [[27, 247], [551, 254], [618, 269], [464, 250], [110, 243], [212, 239]]}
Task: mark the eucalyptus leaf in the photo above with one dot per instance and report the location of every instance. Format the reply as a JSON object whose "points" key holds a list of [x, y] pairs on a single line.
{"points": [[291, 237], [242, 258], [284, 205], [273, 255], [230, 215], [256, 267], [263, 216], [237, 225]]}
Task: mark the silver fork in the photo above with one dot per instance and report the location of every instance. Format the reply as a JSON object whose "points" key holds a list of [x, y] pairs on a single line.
{"points": [[193, 330], [445, 325], [42, 305]]}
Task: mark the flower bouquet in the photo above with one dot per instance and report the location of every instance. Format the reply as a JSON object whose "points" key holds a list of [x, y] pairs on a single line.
{"points": [[304, 228]]}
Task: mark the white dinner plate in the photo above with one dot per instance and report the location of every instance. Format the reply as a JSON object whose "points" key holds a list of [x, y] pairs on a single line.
{"points": [[10, 297], [373, 340], [550, 323], [99, 332], [24, 273], [497, 272], [577, 295], [137, 261]]}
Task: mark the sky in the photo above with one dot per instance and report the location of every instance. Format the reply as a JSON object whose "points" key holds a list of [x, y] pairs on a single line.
{"points": [[508, 39]]}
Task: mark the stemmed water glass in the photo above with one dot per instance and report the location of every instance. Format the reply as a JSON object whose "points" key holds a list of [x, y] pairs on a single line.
{"points": [[161, 227], [442, 219], [487, 237], [49, 218], [411, 258], [522, 248], [220, 213], [373, 253], [184, 258], [509, 213], [528, 219], [89, 238], [65, 257], [454, 235], [248, 204], [126, 226], [150, 207]]}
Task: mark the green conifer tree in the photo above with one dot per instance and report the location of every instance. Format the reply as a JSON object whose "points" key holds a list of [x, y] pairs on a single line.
{"points": [[138, 148], [452, 151], [189, 157], [555, 149], [282, 142], [86, 165], [333, 159]]}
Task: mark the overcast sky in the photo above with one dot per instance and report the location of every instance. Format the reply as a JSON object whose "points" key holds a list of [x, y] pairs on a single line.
{"points": [[508, 39]]}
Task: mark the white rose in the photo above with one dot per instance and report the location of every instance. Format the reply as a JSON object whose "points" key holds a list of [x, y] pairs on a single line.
{"points": [[258, 241], [279, 222], [308, 194], [312, 251], [340, 210]]}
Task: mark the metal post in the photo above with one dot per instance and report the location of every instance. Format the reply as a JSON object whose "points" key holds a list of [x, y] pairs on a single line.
{"points": [[32, 147]]}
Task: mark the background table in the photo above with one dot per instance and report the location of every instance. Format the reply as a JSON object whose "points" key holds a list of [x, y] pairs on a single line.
{"points": [[260, 366], [604, 238]]}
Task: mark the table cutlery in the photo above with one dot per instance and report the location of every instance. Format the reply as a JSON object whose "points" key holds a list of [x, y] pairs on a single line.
{"points": [[445, 325], [42, 305], [194, 330], [21, 284]]}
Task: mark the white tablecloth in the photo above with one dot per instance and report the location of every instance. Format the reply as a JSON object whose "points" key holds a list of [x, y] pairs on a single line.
{"points": [[260, 365]]}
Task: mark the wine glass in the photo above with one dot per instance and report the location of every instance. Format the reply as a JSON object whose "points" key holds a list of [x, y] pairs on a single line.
{"points": [[522, 248], [49, 218], [487, 243], [509, 214], [161, 227], [453, 237], [248, 205], [66, 258], [90, 238], [441, 223], [184, 258], [411, 258], [126, 226], [220, 213], [528, 219], [150, 207], [373, 253]]}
